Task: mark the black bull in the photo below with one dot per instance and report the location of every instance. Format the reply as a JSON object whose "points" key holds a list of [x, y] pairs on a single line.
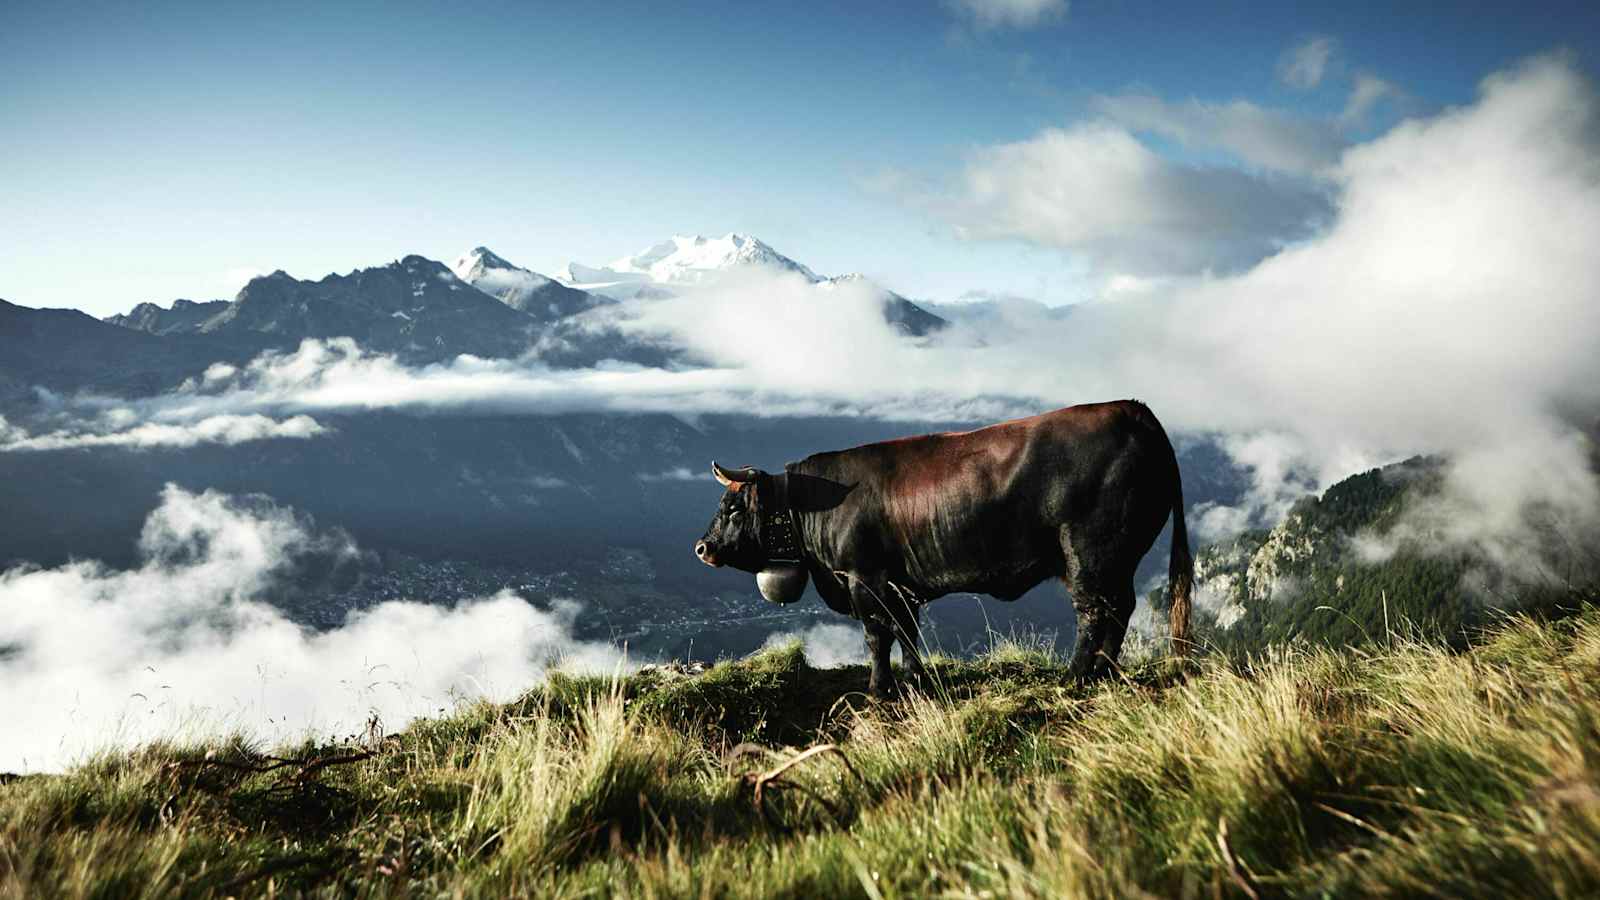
{"points": [[1078, 494]]}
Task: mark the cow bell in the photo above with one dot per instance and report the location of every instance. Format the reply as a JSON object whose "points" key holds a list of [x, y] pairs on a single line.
{"points": [[782, 584]]}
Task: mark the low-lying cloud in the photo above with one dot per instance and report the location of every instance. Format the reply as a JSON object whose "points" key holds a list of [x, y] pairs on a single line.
{"points": [[186, 645], [224, 429], [826, 645]]}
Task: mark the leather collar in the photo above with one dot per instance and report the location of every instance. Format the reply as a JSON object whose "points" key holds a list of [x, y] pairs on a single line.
{"points": [[780, 530]]}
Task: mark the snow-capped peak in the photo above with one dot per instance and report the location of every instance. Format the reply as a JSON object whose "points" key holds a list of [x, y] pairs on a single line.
{"points": [[480, 261], [686, 259], [488, 272]]}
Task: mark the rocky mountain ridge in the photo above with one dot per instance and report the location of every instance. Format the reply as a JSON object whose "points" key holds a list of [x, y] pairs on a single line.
{"points": [[424, 311], [524, 290], [1311, 545], [182, 316], [1338, 570]]}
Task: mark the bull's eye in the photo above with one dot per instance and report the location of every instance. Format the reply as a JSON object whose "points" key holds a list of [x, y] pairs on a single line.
{"points": [[734, 516]]}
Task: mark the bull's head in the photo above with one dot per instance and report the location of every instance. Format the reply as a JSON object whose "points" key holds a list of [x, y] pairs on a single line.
{"points": [[734, 536]]}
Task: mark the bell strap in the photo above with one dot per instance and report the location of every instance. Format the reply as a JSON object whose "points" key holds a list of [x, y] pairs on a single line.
{"points": [[780, 530]]}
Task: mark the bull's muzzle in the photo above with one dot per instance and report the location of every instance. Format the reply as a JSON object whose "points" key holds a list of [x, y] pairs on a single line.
{"points": [[707, 553]]}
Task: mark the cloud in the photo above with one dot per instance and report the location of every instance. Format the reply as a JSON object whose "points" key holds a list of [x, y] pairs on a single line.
{"points": [[1446, 310], [1096, 192], [681, 473], [10, 434], [826, 645], [185, 645], [988, 14], [1280, 469], [1526, 510], [1304, 65], [760, 378], [996, 318], [224, 429], [1257, 135], [1367, 92]]}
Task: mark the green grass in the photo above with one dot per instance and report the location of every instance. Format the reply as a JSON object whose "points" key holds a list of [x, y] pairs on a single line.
{"points": [[1411, 770]]}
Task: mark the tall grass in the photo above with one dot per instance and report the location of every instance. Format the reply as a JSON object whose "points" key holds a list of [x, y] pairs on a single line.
{"points": [[1411, 770]]}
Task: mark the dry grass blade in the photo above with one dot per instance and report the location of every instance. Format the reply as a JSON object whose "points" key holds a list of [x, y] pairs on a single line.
{"points": [[774, 779], [1233, 867]]}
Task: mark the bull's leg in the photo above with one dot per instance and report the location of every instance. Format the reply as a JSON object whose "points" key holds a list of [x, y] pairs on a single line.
{"points": [[1117, 629], [1080, 567], [875, 608], [880, 641], [1097, 583], [1094, 624], [908, 629]]}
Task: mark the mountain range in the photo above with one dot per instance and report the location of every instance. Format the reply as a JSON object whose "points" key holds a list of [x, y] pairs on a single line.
{"points": [[682, 260], [67, 351], [686, 260], [423, 311]]}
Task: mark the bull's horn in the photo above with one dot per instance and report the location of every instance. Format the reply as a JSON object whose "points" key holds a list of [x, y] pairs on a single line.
{"points": [[732, 476]]}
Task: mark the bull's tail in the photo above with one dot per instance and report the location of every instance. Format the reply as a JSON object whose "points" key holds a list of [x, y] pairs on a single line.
{"points": [[1180, 571]]}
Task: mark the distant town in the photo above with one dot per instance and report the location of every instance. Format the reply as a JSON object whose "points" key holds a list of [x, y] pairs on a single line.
{"points": [[621, 602]]}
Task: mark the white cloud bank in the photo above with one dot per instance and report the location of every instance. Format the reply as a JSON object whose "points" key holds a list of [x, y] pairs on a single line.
{"points": [[1255, 134], [92, 657], [1095, 190], [226, 430], [1257, 178]]}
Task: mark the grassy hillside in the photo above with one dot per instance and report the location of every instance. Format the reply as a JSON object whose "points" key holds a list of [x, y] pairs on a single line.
{"points": [[1406, 769], [1309, 579]]}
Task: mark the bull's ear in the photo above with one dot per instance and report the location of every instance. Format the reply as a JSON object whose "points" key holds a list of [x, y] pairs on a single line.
{"points": [[730, 477]]}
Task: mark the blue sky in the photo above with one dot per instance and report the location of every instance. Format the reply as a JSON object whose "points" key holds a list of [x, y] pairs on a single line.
{"points": [[163, 152]]}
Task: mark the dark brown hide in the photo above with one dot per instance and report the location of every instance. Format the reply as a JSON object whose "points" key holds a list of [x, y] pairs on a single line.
{"points": [[1079, 494]]}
